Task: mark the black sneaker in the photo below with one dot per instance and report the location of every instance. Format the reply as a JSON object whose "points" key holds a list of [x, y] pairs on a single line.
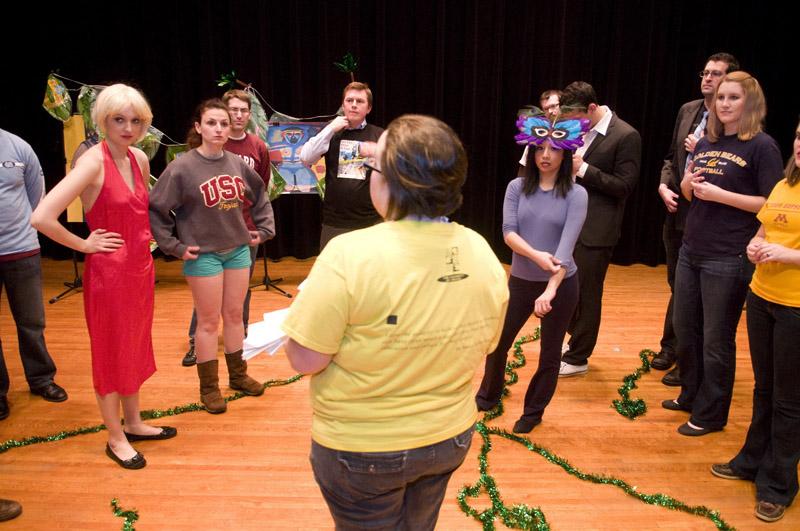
{"points": [[663, 361], [672, 378], [190, 358], [724, 471]]}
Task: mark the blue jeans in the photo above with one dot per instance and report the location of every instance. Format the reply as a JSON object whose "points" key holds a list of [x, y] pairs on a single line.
{"points": [[771, 450], [23, 282], [709, 296], [388, 490]]}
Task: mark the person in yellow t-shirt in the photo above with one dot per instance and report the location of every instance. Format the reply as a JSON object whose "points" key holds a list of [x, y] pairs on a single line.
{"points": [[771, 450], [392, 323]]}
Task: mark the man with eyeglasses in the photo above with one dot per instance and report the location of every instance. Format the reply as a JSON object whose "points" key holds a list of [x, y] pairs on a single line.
{"points": [[549, 103], [254, 152], [346, 143], [689, 128]]}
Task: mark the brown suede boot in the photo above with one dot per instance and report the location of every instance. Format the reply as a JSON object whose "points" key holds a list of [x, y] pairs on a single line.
{"points": [[237, 373], [210, 396]]}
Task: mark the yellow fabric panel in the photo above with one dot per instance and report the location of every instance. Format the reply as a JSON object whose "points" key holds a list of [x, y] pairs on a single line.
{"points": [[74, 134]]}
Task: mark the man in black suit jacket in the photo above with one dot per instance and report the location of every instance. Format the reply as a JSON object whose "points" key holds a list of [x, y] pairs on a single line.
{"points": [[689, 127], [608, 167]]}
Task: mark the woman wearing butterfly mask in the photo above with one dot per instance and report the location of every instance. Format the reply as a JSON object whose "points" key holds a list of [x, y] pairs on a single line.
{"points": [[543, 213]]}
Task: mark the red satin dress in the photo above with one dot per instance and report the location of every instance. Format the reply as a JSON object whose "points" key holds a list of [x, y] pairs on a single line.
{"points": [[118, 286]]}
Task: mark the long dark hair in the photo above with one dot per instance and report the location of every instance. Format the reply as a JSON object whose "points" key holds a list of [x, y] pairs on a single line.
{"points": [[563, 178], [193, 138]]}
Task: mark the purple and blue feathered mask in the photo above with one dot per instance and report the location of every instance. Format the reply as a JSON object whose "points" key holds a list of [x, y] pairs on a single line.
{"points": [[535, 128]]}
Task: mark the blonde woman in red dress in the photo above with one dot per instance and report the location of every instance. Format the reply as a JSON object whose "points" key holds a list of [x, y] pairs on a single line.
{"points": [[118, 279]]}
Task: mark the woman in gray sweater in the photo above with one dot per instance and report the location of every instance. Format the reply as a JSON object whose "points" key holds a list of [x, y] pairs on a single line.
{"points": [[207, 189]]}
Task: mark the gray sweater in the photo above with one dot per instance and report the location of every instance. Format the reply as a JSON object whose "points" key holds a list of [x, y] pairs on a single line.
{"points": [[206, 197], [547, 222]]}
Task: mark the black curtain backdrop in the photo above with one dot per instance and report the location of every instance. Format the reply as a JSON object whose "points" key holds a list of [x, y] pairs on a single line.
{"points": [[469, 63]]}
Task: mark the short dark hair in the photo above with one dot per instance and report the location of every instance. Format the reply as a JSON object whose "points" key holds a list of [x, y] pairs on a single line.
{"points": [[425, 165], [358, 85], [730, 60], [578, 94], [239, 95], [547, 93]]}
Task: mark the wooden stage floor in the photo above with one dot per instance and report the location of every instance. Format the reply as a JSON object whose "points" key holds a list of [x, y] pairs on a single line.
{"points": [[248, 469]]}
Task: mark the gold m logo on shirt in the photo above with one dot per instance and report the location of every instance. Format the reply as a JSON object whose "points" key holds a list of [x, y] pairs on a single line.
{"points": [[781, 218]]}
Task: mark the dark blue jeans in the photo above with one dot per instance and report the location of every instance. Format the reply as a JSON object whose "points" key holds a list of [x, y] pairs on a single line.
{"points": [[388, 490], [771, 450], [709, 296], [23, 282], [245, 308], [673, 238]]}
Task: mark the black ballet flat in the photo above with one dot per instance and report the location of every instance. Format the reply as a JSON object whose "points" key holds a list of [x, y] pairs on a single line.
{"points": [[134, 463], [167, 432]]}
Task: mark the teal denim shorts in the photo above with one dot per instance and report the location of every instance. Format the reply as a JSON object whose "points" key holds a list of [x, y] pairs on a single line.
{"points": [[211, 264]]}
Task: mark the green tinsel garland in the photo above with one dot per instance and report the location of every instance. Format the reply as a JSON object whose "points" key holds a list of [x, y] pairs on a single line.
{"points": [[130, 516], [146, 415], [524, 517], [627, 407]]}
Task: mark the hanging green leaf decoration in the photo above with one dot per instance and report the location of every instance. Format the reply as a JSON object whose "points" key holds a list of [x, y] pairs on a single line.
{"points": [[258, 124], [348, 65], [151, 142], [57, 100], [86, 98], [175, 150], [276, 183], [227, 80]]}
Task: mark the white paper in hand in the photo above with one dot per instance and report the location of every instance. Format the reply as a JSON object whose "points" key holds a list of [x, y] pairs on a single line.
{"points": [[265, 335]]}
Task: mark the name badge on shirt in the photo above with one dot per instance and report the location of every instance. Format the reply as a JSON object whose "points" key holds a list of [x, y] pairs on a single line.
{"points": [[351, 162]]}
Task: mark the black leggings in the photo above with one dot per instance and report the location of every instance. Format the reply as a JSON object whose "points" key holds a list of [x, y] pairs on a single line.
{"points": [[523, 294]]}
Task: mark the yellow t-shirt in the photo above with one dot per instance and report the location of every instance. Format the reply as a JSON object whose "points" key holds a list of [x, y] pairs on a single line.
{"points": [[780, 215], [408, 310]]}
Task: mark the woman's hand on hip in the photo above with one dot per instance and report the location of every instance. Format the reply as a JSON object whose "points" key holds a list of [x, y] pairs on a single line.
{"points": [[102, 241], [191, 253]]}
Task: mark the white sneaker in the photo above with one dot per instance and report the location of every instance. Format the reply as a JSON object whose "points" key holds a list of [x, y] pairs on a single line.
{"points": [[567, 369]]}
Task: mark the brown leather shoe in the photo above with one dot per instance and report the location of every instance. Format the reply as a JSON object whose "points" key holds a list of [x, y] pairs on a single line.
{"points": [[769, 512], [9, 509]]}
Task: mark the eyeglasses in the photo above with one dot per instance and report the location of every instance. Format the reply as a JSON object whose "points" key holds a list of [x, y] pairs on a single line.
{"points": [[235, 110], [370, 169], [713, 73]]}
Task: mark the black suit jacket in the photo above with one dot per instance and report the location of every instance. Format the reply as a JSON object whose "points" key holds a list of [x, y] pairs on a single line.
{"points": [[675, 161], [614, 161]]}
